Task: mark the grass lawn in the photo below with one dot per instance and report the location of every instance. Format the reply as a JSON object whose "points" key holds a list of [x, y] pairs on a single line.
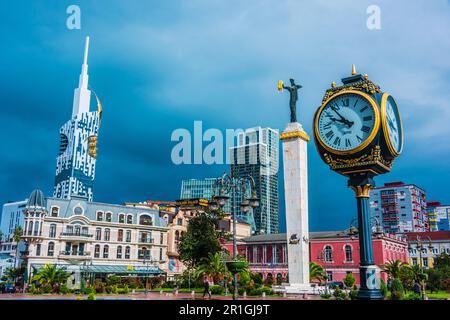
{"points": [[438, 295]]}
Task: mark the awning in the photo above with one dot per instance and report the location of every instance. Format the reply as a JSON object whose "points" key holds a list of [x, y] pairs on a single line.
{"points": [[108, 269]]}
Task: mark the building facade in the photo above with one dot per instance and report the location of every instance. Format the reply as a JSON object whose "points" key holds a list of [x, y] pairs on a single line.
{"points": [[438, 216], [256, 154], [337, 252], [423, 247], [102, 238], [400, 207], [11, 218], [76, 159]]}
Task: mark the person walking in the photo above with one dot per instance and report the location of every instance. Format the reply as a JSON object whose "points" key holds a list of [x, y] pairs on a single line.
{"points": [[206, 286]]}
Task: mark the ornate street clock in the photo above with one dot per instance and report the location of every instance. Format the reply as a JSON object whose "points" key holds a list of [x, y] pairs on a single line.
{"points": [[358, 133]]}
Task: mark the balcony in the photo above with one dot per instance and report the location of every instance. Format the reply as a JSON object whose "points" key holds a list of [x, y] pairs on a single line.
{"points": [[78, 255], [146, 240], [76, 236]]}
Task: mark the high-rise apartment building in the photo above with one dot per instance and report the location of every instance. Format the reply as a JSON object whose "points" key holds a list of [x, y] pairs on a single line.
{"points": [[438, 216], [400, 207]]}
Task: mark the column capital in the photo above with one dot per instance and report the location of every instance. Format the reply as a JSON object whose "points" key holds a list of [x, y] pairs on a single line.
{"points": [[294, 134], [362, 191]]}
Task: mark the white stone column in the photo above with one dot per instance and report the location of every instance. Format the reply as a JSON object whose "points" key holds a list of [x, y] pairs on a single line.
{"points": [[295, 166]]}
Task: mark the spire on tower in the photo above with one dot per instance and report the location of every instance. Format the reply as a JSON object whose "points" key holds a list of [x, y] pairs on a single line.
{"points": [[82, 95]]}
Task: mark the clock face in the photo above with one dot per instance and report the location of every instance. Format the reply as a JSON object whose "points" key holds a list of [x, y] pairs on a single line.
{"points": [[392, 124], [346, 122]]}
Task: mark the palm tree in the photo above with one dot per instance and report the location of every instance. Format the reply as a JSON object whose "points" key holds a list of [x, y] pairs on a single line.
{"points": [[213, 266], [51, 275], [316, 272], [17, 234], [393, 268]]}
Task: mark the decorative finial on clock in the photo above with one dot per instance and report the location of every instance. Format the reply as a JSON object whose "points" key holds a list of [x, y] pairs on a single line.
{"points": [[366, 76], [353, 70], [333, 84]]}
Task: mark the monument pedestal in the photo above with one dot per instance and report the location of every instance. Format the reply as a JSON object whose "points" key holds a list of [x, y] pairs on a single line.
{"points": [[295, 168]]}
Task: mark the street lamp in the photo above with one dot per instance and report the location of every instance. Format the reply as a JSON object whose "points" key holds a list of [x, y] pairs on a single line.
{"points": [[224, 185], [420, 247], [321, 257], [147, 259]]}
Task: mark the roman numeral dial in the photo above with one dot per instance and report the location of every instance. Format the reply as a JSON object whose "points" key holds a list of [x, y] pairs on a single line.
{"points": [[346, 122]]}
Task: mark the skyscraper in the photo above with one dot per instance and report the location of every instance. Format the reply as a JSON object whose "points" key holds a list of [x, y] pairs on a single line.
{"points": [[75, 163], [400, 207], [200, 189], [438, 216], [256, 155]]}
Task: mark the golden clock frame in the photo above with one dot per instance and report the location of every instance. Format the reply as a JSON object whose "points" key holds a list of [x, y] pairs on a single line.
{"points": [[384, 125], [366, 142]]}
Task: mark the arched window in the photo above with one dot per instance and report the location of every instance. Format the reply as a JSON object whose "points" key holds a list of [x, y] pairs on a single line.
{"points": [[120, 235], [98, 234], [55, 211], [145, 220], [144, 253], [38, 249], [51, 249], [328, 251], [121, 218], [25, 230], [77, 230], [177, 236], [129, 219], [97, 251], [99, 216], [119, 252], [108, 217], [30, 228], [52, 231], [128, 239], [105, 251], [348, 253], [127, 252], [107, 234]]}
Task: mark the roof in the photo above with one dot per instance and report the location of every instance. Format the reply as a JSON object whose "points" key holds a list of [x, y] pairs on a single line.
{"points": [[282, 236], [36, 200], [434, 235]]}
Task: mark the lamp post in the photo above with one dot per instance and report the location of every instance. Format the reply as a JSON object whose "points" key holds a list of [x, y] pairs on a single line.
{"points": [[147, 259], [420, 247], [222, 187], [321, 257]]}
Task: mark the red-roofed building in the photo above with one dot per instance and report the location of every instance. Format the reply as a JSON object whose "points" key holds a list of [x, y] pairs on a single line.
{"points": [[423, 247]]}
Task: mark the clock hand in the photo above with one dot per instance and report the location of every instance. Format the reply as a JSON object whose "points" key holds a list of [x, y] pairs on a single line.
{"points": [[347, 122]]}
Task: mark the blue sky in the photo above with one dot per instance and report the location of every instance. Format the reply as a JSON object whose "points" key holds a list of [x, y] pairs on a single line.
{"points": [[160, 65]]}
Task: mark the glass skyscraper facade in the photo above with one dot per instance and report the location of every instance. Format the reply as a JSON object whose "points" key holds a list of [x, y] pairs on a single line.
{"points": [[256, 154]]}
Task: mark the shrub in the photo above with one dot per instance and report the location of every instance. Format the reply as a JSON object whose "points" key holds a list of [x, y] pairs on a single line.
{"points": [[383, 288], [412, 296], [339, 294], [91, 296], [216, 289], [349, 280], [123, 290], [47, 288], [325, 296], [353, 294], [267, 290], [108, 289], [87, 290], [397, 290], [257, 278], [64, 289]]}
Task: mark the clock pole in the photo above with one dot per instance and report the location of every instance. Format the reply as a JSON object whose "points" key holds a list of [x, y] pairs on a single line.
{"points": [[362, 184]]}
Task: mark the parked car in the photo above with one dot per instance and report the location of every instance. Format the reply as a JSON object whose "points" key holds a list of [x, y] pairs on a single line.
{"points": [[336, 284], [8, 288]]}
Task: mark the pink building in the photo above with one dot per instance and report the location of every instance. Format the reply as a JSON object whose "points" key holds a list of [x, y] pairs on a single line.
{"points": [[336, 251]]}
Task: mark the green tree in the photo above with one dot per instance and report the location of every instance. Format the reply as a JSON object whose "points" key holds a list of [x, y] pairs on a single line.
{"points": [[51, 275], [316, 272], [439, 275], [393, 268], [199, 240], [397, 290], [213, 266], [13, 273], [349, 280], [17, 234]]}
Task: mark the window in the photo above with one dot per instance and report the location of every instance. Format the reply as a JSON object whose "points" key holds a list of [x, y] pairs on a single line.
{"points": [[120, 235], [51, 249], [119, 252], [77, 230], [107, 234], [146, 220], [52, 231], [98, 234], [348, 253], [38, 249], [328, 252], [161, 238], [30, 228], [127, 252], [425, 262], [105, 251], [108, 217], [330, 275], [414, 261], [177, 236], [99, 216], [55, 211], [97, 251], [160, 254], [144, 253], [78, 211], [129, 219], [179, 221], [36, 228], [128, 236], [121, 218]]}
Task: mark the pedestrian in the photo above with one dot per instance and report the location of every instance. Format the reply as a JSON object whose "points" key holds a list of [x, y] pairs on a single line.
{"points": [[206, 286], [417, 289]]}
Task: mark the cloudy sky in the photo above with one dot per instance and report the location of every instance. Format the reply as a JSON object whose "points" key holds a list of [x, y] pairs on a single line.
{"points": [[161, 65]]}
